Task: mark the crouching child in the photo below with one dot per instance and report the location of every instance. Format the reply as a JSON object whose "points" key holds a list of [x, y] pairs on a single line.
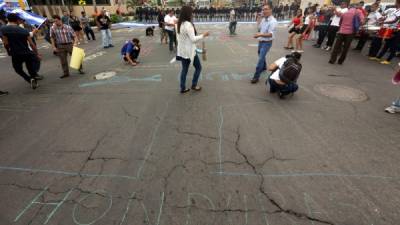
{"points": [[284, 74], [130, 51]]}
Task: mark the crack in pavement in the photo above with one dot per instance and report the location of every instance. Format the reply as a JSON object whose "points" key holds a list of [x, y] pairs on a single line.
{"points": [[195, 134], [280, 209]]}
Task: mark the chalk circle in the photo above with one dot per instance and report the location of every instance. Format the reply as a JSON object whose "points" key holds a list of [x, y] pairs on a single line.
{"points": [[105, 75], [102, 193], [341, 92]]}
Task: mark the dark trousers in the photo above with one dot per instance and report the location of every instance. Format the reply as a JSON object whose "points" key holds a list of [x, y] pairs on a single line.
{"points": [[88, 31], [376, 44], [134, 55], [185, 69], [322, 31], [391, 45], [172, 39], [332, 30], [342, 45], [284, 89], [63, 52], [29, 60], [362, 40], [232, 27]]}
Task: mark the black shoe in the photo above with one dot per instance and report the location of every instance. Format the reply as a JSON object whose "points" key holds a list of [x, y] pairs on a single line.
{"points": [[340, 63], [2, 93], [331, 62], [81, 72], [106, 47], [110, 46], [317, 46], [254, 80], [185, 90], [34, 84], [38, 77], [64, 76]]}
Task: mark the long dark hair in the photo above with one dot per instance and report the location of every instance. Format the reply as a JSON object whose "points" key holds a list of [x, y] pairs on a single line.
{"points": [[186, 15]]}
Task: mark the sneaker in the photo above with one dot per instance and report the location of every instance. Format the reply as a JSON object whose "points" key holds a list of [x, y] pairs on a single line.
{"points": [[2, 93], [392, 109], [34, 84], [385, 62], [294, 51], [254, 80], [300, 51], [328, 48]]}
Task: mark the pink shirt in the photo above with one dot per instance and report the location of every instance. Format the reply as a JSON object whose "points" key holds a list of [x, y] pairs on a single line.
{"points": [[346, 26]]}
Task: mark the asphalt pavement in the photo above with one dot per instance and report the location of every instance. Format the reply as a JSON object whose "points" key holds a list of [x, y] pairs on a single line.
{"points": [[132, 150]]}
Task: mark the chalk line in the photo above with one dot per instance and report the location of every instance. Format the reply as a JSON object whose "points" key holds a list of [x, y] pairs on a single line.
{"points": [[153, 137], [66, 173], [306, 174]]}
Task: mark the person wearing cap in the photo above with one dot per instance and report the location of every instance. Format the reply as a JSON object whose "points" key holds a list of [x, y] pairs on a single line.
{"points": [[63, 39], [16, 40]]}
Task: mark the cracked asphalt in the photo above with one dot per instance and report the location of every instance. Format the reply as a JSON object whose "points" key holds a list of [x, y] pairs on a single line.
{"points": [[133, 150]]}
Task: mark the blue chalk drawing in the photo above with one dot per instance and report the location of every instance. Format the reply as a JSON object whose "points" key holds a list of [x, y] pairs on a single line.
{"points": [[121, 80]]}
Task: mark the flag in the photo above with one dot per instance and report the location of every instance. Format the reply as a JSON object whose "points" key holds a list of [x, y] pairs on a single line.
{"points": [[29, 17]]}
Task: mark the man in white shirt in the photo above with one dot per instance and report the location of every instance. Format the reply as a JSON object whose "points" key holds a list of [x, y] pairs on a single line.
{"points": [[170, 20], [390, 23], [372, 21], [232, 22], [278, 85], [335, 24]]}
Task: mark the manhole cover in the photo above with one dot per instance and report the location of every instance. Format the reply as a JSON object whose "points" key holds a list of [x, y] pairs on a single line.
{"points": [[104, 75], [342, 93]]}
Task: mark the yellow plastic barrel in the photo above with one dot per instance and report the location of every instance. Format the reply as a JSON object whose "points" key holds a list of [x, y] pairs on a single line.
{"points": [[77, 57]]}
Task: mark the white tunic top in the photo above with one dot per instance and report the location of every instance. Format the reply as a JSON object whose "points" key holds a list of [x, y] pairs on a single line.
{"points": [[187, 41]]}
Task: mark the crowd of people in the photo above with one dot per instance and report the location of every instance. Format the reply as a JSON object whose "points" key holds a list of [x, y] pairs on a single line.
{"points": [[334, 26], [212, 14], [343, 24]]}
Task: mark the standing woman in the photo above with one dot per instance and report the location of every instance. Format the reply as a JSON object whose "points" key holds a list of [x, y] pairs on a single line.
{"points": [[186, 53], [76, 26]]}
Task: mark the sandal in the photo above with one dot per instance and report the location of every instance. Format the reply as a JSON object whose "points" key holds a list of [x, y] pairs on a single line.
{"points": [[196, 88], [184, 91]]}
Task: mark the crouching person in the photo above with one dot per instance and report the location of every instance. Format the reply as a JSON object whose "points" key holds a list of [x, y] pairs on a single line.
{"points": [[284, 74], [130, 51]]}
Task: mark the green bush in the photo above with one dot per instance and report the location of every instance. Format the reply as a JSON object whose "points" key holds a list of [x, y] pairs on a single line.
{"points": [[115, 18]]}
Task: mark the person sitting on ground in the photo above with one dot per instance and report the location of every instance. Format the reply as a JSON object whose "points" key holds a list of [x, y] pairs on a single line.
{"points": [[130, 51], [284, 74], [295, 28]]}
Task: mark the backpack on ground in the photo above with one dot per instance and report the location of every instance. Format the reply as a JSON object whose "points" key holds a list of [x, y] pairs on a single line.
{"points": [[290, 70]]}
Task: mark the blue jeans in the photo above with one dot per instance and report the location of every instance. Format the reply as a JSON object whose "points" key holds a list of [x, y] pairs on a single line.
{"points": [[284, 89], [106, 37], [172, 39], [185, 69], [263, 48]]}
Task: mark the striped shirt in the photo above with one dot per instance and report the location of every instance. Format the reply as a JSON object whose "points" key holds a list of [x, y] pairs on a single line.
{"points": [[268, 26], [62, 35]]}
